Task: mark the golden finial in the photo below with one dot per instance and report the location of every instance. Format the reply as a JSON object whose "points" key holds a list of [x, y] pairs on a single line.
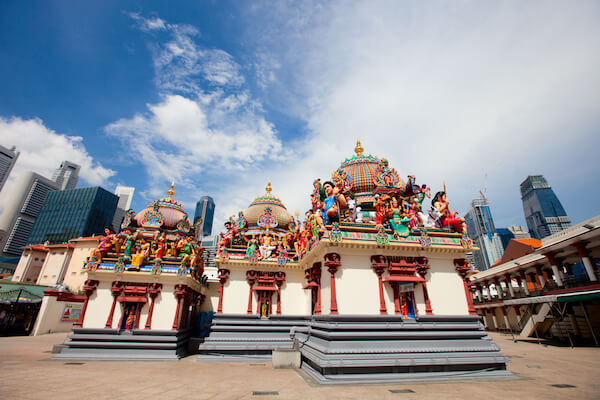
{"points": [[268, 189], [358, 149], [171, 192]]}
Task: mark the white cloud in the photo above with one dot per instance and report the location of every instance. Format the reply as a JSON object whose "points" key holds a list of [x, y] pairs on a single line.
{"points": [[207, 125], [148, 24], [446, 92], [42, 150]]}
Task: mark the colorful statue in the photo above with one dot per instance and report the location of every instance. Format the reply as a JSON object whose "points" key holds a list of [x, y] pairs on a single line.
{"points": [[138, 258], [267, 245], [129, 244], [448, 219], [399, 221], [161, 247], [105, 245], [334, 201]]}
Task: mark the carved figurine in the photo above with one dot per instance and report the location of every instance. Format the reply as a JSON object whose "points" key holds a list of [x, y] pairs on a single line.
{"points": [[267, 245], [334, 201], [448, 219], [399, 221], [105, 245]]}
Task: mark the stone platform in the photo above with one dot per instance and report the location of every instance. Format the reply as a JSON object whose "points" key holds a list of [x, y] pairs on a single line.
{"points": [[342, 349], [112, 344], [242, 337]]}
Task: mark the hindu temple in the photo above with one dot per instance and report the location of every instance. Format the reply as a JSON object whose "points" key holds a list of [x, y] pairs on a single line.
{"points": [[370, 286]]}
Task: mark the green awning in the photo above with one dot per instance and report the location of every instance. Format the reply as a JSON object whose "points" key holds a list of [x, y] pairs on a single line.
{"points": [[578, 297], [9, 292]]}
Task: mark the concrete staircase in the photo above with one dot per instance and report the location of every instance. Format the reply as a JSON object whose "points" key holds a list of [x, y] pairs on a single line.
{"points": [[242, 337], [110, 344], [538, 323], [346, 349]]}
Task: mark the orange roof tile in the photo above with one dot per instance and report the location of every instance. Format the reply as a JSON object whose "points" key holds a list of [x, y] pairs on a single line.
{"points": [[530, 241]]}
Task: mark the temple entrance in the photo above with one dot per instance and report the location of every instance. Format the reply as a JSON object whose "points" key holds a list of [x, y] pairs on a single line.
{"points": [[408, 304], [265, 303], [130, 318]]}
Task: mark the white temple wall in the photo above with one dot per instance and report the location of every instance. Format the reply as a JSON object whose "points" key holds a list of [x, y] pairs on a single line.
{"points": [[445, 287], [294, 299], [235, 293], [49, 317], [211, 301], [74, 276], [357, 287], [165, 305], [99, 306]]}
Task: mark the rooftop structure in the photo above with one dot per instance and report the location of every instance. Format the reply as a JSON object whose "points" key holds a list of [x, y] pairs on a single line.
{"points": [[480, 226], [544, 213], [8, 158], [68, 214], [67, 175], [20, 213]]}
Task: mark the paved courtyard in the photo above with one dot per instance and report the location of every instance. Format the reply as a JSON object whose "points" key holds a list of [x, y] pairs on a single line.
{"points": [[27, 373]]}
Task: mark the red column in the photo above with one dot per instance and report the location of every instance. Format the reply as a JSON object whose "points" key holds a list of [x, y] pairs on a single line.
{"points": [[89, 287], [116, 290], [279, 279], [379, 265], [463, 267], [179, 292], [315, 276], [223, 276], [332, 262], [251, 278], [397, 299], [154, 290], [422, 271]]}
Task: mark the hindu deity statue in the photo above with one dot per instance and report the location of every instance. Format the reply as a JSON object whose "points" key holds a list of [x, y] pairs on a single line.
{"points": [[105, 245], [399, 220], [227, 238], [333, 203], [267, 245], [448, 219]]}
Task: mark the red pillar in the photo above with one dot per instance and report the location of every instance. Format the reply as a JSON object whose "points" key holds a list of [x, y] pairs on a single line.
{"points": [[332, 262], [251, 278], [179, 293], [279, 279], [116, 290], [223, 276], [154, 290], [397, 299], [422, 271], [379, 265], [463, 267], [89, 287], [315, 276]]}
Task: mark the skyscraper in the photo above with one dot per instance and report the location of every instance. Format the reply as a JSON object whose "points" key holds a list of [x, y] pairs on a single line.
{"points": [[544, 213], [66, 175], [205, 209], [67, 214], [8, 158], [512, 232], [125, 194], [480, 227], [20, 212]]}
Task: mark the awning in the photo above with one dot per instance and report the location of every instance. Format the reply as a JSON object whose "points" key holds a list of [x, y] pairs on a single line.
{"points": [[271, 288], [404, 278], [584, 296]]}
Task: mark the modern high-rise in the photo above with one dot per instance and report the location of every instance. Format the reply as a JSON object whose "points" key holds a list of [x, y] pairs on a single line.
{"points": [[66, 175], [512, 232], [20, 212], [125, 194], [544, 213], [205, 209], [8, 158], [480, 227], [68, 214]]}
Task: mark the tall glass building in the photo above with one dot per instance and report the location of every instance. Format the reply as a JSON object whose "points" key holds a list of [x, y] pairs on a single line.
{"points": [[205, 209], [480, 227], [544, 213], [66, 175], [68, 214], [8, 158]]}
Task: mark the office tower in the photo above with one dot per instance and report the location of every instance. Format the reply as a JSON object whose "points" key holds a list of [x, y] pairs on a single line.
{"points": [[205, 209], [543, 212], [20, 212], [125, 194], [8, 158], [66, 175], [480, 227], [68, 214], [512, 232]]}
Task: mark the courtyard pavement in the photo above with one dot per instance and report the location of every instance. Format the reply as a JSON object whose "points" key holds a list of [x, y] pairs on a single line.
{"points": [[27, 373]]}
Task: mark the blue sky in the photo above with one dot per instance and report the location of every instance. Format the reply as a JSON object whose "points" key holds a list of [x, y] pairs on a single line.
{"points": [[222, 97]]}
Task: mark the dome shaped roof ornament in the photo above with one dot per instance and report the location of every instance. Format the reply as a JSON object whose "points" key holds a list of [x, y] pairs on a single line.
{"points": [[268, 189], [358, 149], [171, 192]]}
